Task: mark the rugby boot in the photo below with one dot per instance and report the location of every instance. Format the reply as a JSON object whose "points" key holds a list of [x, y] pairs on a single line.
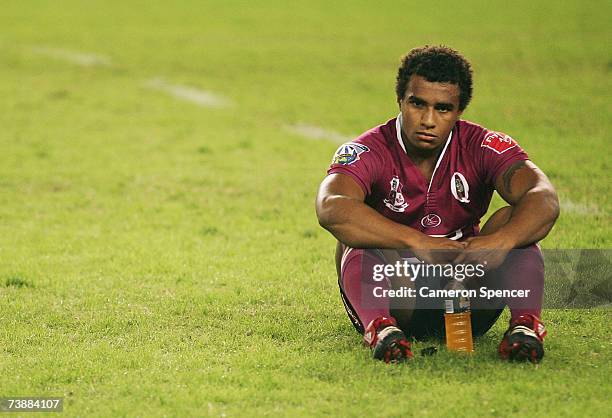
{"points": [[524, 340], [387, 341]]}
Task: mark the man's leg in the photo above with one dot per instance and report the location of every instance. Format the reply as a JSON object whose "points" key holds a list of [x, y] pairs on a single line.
{"points": [[370, 315], [350, 265], [523, 270]]}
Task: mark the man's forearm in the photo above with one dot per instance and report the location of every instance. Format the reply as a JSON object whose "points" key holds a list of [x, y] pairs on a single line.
{"points": [[533, 216], [359, 226]]}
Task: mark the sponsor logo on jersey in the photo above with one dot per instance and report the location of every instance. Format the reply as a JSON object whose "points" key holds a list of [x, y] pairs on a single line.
{"points": [[498, 142], [431, 220], [395, 201], [348, 153], [460, 188]]}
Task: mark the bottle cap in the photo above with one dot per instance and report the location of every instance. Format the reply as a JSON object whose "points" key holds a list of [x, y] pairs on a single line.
{"points": [[449, 306]]}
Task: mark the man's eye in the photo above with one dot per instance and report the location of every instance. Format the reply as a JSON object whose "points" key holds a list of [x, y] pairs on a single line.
{"points": [[443, 109]]}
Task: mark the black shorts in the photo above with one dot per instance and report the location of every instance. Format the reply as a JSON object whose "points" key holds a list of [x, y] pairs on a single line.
{"points": [[426, 323]]}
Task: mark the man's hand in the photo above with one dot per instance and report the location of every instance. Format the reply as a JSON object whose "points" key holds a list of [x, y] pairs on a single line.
{"points": [[488, 250], [435, 250]]}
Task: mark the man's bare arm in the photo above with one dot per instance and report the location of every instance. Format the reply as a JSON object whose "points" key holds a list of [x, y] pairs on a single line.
{"points": [[342, 211], [534, 210], [534, 201]]}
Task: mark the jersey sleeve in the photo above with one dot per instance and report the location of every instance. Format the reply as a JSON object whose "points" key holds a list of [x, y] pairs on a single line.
{"points": [[359, 161], [498, 152]]}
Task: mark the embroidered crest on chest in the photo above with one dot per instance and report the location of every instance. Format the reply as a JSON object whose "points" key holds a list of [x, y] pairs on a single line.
{"points": [[395, 199]]}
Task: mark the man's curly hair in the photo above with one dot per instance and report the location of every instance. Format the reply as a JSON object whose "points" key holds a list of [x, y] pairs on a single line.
{"points": [[436, 64]]}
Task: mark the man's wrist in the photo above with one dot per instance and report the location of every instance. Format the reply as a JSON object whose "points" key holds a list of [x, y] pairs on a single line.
{"points": [[412, 238]]}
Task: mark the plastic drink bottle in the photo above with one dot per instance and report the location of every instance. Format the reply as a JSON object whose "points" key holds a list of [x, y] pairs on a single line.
{"points": [[458, 322]]}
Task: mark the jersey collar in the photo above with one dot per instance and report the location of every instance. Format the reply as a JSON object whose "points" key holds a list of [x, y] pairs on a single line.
{"points": [[398, 128]]}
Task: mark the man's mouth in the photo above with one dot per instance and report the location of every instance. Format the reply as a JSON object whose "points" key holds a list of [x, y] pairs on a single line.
{"points": [[425, 136]]}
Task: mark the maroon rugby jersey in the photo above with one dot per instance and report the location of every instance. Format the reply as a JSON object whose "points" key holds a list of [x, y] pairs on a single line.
{"points": [[461, 187]]}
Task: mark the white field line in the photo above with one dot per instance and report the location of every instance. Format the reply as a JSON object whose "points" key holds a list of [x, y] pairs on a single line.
{"points": [[189, 94], [316, 132], [78, 58], [570, 206]]}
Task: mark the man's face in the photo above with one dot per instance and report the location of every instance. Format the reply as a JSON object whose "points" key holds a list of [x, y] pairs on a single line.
{"points": [[429, 112]]}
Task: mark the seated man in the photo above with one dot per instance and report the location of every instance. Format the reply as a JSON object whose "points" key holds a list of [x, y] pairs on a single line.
{"points": [[421, 182]]}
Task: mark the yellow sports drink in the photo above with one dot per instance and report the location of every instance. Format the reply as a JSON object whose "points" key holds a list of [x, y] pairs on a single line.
{"points": [[458, 322], [459, 332]]}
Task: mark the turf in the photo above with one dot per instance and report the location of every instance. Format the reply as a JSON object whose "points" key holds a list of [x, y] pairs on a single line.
{"points": [[158, 258]]}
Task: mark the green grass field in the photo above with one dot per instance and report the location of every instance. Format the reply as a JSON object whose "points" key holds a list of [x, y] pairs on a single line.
{"points": [[161, 258]]}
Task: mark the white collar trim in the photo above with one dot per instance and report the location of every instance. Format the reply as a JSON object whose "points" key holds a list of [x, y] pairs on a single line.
{"points": [[398, 129]]}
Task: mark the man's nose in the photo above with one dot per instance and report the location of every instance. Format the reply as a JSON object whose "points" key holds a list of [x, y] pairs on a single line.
{"points": [[427, 118]]}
